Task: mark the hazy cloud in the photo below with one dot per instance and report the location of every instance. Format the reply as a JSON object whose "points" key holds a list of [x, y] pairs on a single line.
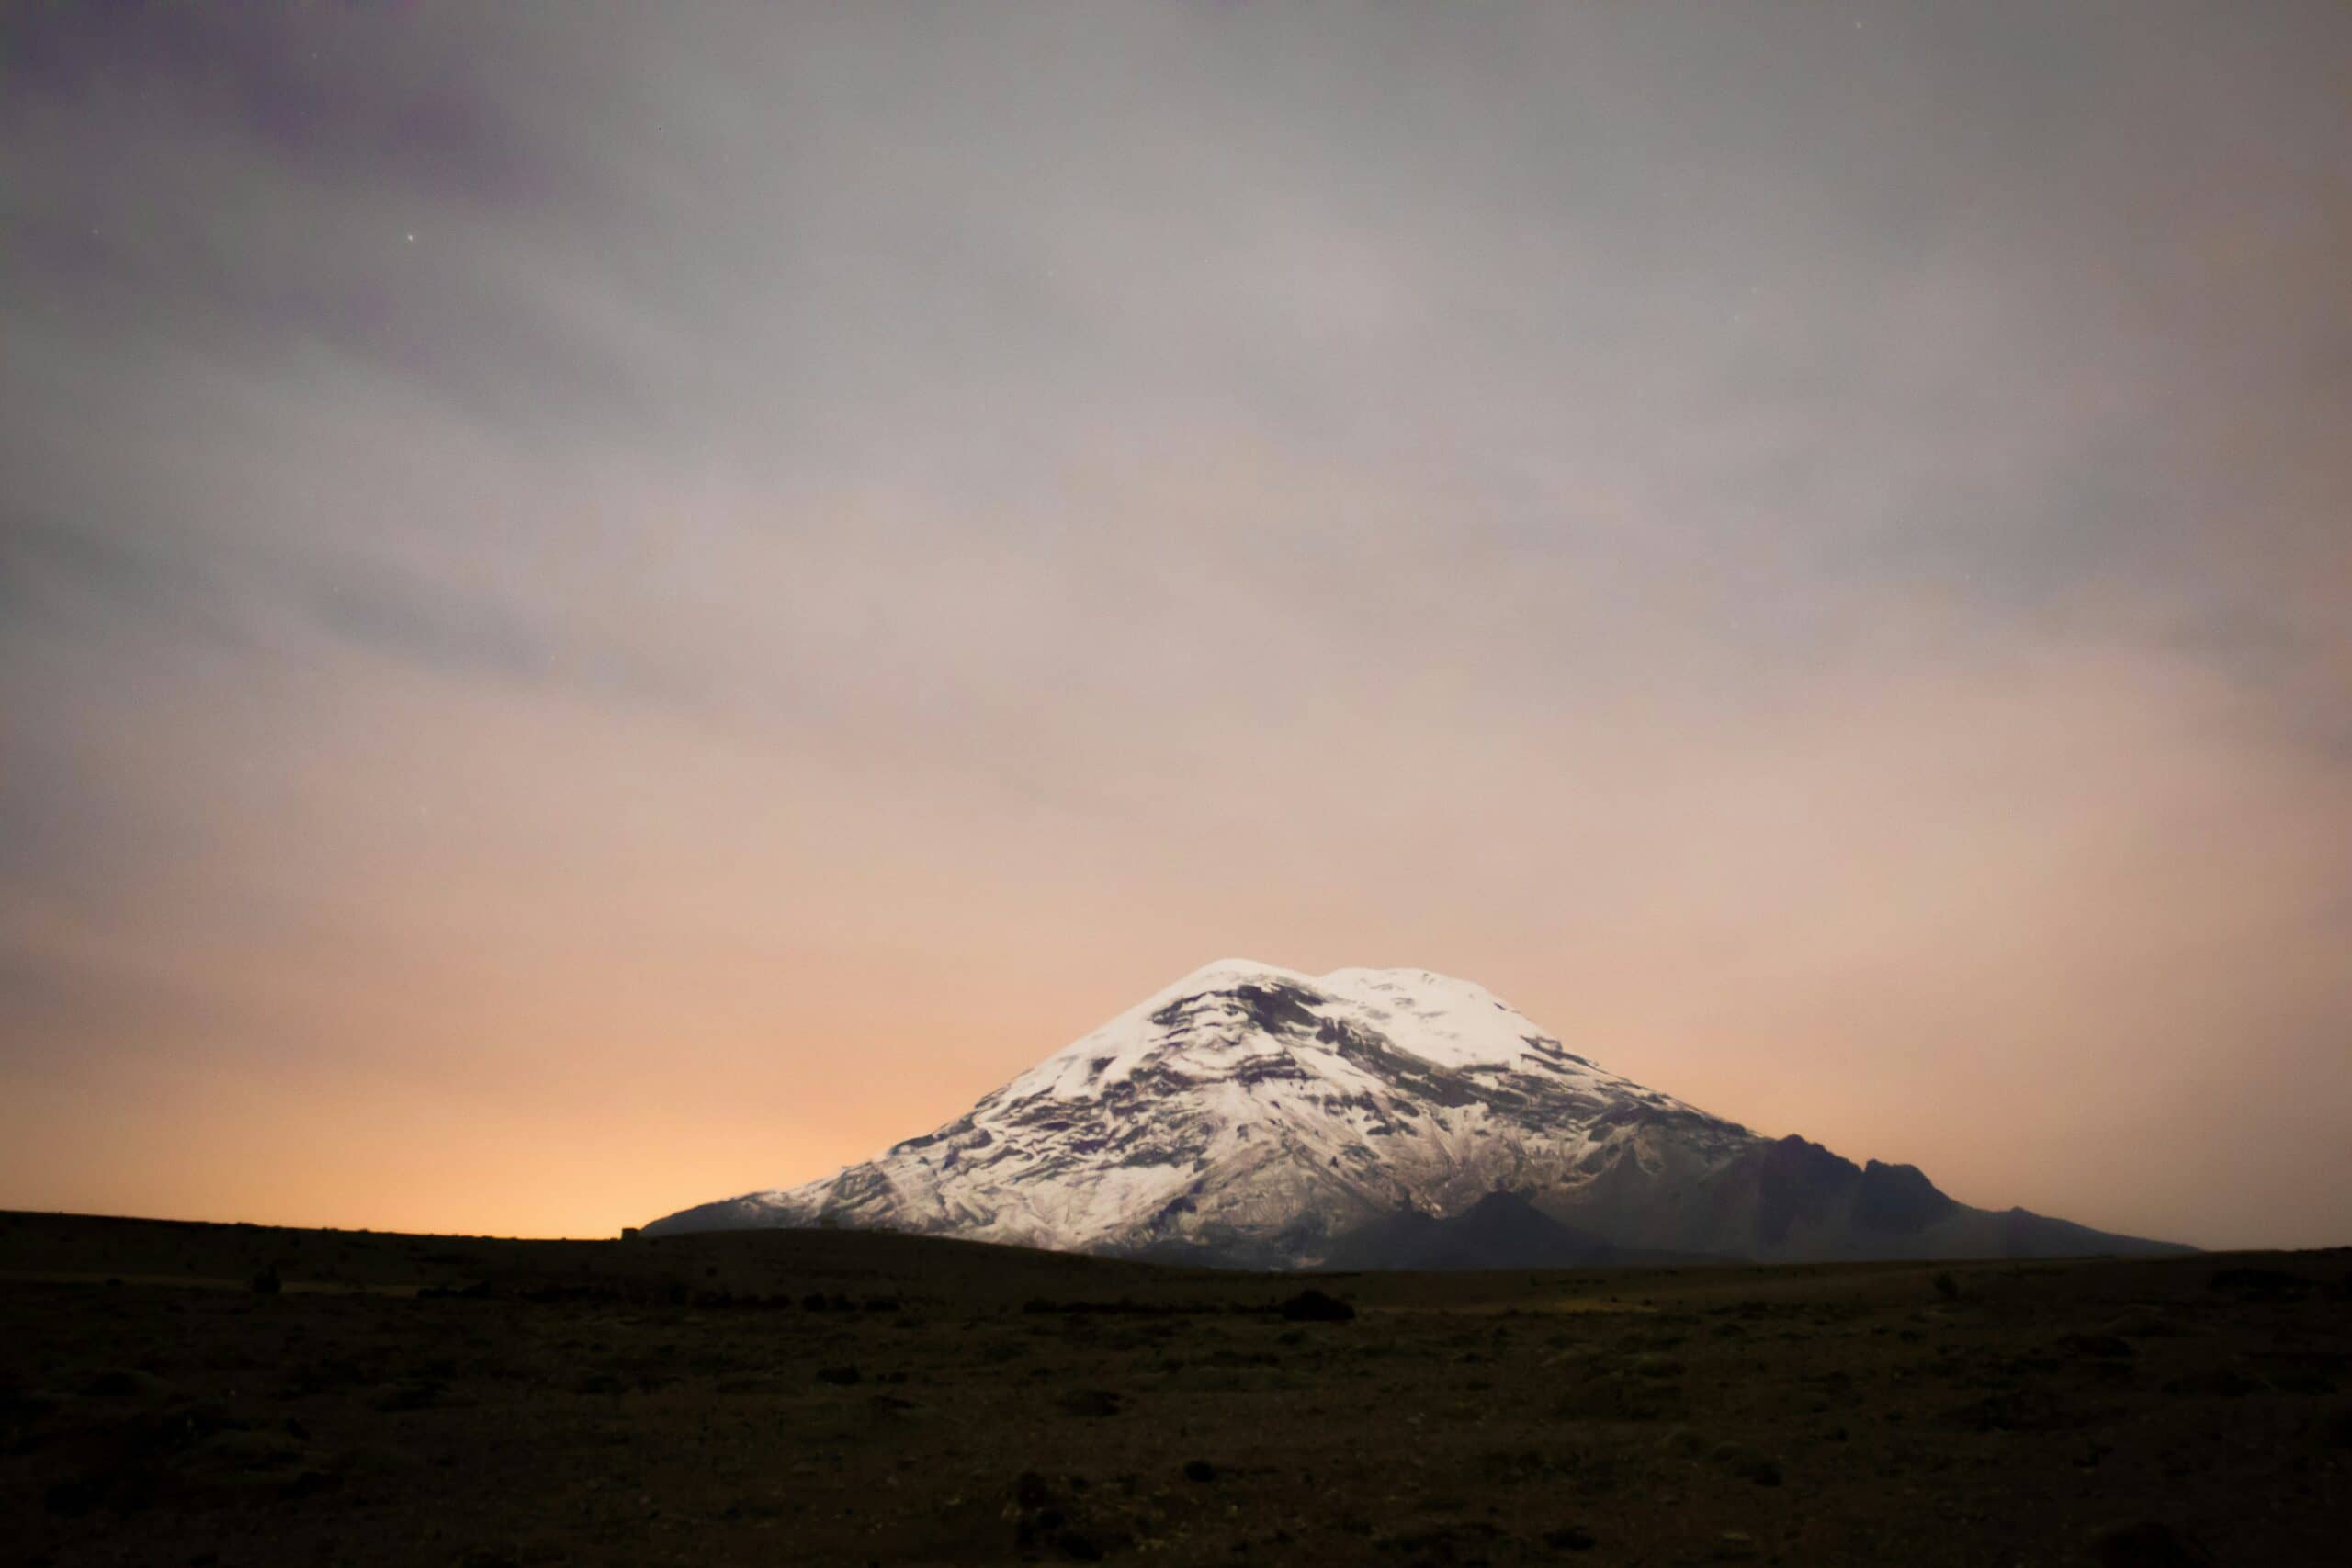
{"points": [[730, 579]]}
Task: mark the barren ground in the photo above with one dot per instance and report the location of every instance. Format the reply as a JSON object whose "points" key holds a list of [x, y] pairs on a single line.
{"points": [[841, 1398]]}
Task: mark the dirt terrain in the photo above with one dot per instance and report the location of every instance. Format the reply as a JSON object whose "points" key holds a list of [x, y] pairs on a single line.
{"points": [[194, 1394]]}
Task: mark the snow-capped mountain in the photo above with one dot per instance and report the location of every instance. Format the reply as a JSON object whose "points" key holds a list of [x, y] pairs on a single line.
{"points": [[1255, 1116]]}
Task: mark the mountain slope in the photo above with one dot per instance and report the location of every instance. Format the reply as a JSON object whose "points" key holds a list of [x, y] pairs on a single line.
{"points": [[1255, 1116]]}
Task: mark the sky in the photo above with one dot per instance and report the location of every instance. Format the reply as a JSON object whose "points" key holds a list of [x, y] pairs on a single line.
{"points": [[602, 607]]}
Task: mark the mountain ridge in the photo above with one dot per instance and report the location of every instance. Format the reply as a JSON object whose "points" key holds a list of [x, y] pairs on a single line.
{"points": [[1256, 1116]]}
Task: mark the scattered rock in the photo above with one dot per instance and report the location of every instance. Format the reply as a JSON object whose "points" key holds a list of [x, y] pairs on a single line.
{"points": [[2221, 1382], [2260, 1283], [1623, 1396], [1684, 1442], [2337, 1430], [410, 1393], [1747, 1464], [1088, 1402], [1573, 1537], [1512, 1467], [2027, 1409], [2148, 1544], [842, 1375], [1200, 1470], [1462, 1543], [126, 1382], [1042, 1519], [2104, 1345]]}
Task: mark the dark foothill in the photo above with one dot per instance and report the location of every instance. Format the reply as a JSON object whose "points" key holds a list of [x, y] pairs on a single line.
{"points": [[1573, 1538], [842, 1375], [1200, 1470], [1090, 1401], [1312, 1305]]}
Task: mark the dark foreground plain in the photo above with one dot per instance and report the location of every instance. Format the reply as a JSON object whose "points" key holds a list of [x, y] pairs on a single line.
{"points": [[181, 1393]]}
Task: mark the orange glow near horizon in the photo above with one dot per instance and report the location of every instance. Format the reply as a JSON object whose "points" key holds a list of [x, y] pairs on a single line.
{"points": [[603, 1025]]}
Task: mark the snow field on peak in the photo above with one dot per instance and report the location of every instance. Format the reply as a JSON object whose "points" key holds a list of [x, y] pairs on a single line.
{"points": [[1249, 1097]]}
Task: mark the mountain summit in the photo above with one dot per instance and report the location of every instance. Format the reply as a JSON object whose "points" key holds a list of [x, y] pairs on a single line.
{"points": [[1252, 1116]]}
